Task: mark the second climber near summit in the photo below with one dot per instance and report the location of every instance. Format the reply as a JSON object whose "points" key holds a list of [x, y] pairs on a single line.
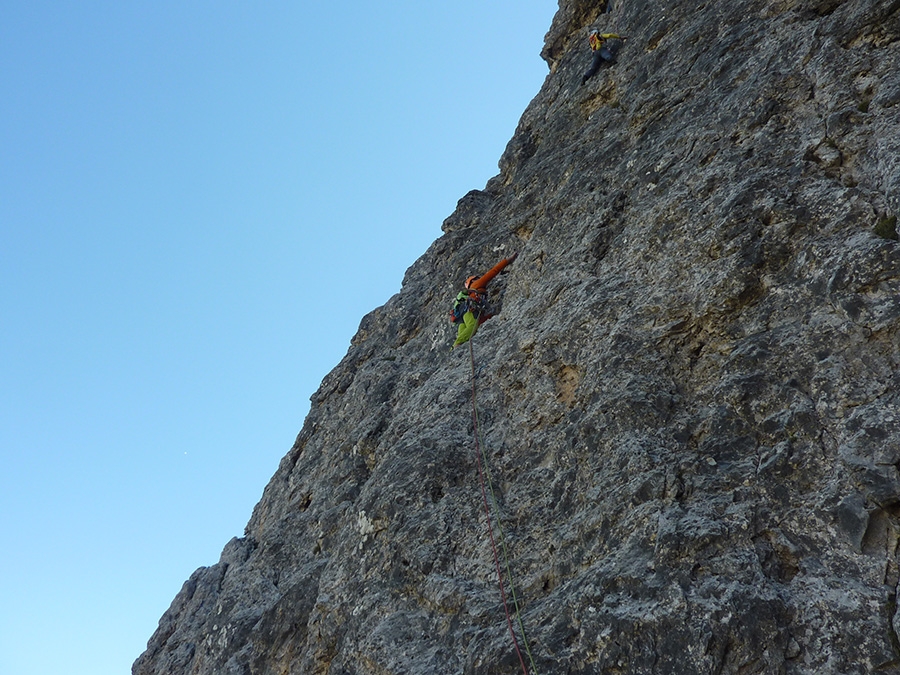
{"points": [[601, 52], [471, 308]]}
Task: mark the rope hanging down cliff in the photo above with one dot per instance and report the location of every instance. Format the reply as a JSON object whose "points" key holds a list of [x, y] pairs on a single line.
{"points": [[487, 486]]}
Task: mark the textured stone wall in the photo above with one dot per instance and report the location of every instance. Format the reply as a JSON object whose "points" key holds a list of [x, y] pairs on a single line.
{"points": [[689, 400]]}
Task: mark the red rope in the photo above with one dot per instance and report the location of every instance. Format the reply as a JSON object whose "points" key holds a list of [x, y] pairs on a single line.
{"points": [[487, 513]]}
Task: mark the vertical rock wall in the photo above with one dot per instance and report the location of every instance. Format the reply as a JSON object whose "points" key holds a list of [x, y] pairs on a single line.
{"points": [[689, 400]]}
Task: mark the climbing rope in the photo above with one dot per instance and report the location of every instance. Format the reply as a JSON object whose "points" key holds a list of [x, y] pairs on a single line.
{"points": [[487, 486]]}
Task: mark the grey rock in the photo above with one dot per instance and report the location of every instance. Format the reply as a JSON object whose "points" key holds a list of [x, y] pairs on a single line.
{"points": [[688, 403]]}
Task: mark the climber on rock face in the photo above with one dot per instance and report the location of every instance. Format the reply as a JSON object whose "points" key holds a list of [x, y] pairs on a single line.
{"points": [[602, 53], [471, 308]]}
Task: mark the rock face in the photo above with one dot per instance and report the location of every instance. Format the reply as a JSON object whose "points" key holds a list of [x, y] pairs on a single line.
{"points": [[688, 402]]}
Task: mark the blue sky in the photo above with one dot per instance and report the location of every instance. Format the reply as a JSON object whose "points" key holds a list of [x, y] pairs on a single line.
{"points": [[199, 201]]}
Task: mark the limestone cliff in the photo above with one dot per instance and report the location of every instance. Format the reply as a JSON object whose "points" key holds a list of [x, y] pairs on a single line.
{"points": [[689, 400]]}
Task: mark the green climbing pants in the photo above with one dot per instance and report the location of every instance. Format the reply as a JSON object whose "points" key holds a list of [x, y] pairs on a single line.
{"points": [[466, 329]]}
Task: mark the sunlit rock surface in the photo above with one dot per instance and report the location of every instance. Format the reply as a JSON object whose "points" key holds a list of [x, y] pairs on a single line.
{"points": [[689, 399]]}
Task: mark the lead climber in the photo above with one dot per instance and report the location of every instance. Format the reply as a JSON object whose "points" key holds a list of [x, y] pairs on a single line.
{"points": [[602, 53], [471, 308]]}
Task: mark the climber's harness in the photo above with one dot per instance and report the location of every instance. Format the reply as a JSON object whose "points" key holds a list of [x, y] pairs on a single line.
{"points": [[468, 300]]}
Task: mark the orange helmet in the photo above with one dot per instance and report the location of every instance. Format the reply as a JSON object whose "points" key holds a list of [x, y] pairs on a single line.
{"points": [[472, 280]]}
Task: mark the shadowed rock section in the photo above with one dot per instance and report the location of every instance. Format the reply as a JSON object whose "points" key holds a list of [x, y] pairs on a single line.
{"points": [[689, 399]]}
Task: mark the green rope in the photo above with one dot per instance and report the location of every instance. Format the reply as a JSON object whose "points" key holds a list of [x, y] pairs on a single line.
{"points": [[496, 506]]}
